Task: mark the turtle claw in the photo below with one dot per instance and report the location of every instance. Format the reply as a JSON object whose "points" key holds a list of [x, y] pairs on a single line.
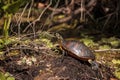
{"points": [[95, 67], [94, 64]]}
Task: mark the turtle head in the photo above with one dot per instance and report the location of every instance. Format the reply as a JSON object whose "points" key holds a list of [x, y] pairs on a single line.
{"points": [[94, 64], [59, 37]]}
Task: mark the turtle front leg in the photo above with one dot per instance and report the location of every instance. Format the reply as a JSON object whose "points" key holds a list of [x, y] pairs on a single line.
{"points": [[63, 55], [94, 64]]}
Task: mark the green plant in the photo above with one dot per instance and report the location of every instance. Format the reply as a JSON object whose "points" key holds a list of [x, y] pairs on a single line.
{"points": [[7, 9], [6, 76]]}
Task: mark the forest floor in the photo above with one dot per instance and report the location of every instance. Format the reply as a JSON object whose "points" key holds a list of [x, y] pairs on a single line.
{"points": [[48, 65], [31, 59]]}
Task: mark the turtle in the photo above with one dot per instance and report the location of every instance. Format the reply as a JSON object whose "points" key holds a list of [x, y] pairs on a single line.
{"points": [[77, 50]]}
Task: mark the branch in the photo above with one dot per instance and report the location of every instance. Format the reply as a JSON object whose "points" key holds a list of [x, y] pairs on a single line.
{"points": [[69, 12], [66, 19], [38, 19], [104, 50]]}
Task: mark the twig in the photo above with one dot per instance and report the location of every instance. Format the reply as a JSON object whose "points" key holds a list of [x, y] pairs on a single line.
{"points": [[55, 8], [66, 10], [19, 19], [104, 50], [28, 16], [82, 17], [38, 19], [107, 20], [36, 49], [87, 8]]}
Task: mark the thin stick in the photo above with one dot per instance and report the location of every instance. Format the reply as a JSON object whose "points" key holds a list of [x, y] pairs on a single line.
{"points": [[104, 50], [38, 19]]}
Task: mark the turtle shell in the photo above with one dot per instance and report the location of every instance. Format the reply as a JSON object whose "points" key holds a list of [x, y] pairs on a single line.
{"points": [[77, 50]]}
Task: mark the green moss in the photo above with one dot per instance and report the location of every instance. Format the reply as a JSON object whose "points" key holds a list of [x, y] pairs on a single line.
{"points": [[117, 74], [6, 76], [105, 47], [88, 41], [47, 42], [114, 61], [114, 43]]}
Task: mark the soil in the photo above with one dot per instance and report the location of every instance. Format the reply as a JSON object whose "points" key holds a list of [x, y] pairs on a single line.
{"points": [[50, 65]]}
